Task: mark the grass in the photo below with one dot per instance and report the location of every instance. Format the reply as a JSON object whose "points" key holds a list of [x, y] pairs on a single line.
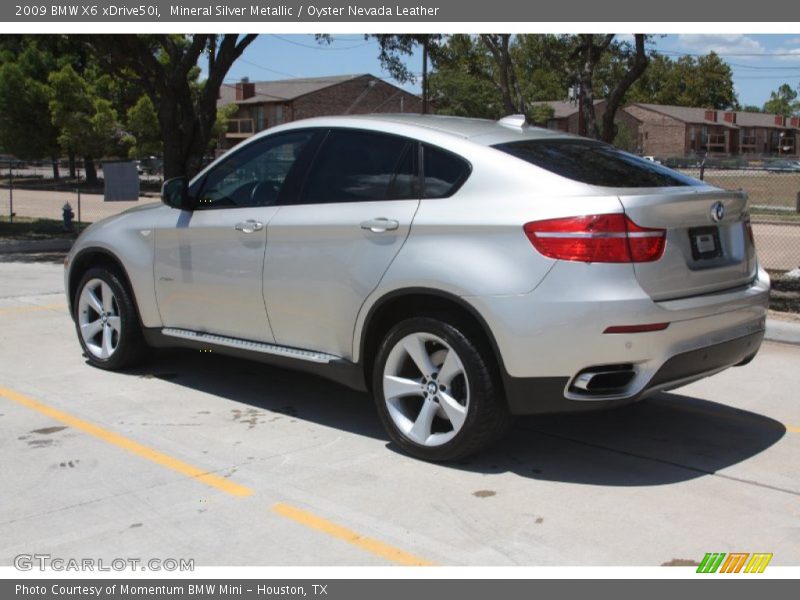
{"points": [[765, 215], [762, 187], [785, 293], [25, 228]]}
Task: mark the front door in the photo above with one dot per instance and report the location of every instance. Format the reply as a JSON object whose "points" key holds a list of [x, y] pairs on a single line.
{"points": [[209, 264]]}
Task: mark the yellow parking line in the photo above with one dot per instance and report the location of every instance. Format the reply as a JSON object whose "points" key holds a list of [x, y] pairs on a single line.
{"points": [[372, 546], [17, 309], [120, 441]]}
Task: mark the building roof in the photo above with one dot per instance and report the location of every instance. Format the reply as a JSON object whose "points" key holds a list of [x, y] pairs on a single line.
{"points": [[691, 114], [562, 109], [687, 114], [751, 119], [283, 89]]}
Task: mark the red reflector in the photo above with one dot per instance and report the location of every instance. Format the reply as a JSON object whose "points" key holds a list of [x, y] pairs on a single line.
{"points": [[749, 228], [596, 238], [636, 328]]}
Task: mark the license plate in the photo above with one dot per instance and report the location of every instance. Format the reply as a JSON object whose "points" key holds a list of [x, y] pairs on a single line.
{"points": [[705, 243]]}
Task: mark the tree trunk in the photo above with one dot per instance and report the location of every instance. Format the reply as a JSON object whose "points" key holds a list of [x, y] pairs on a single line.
{"points": [[72, 171], [91, 170], [425, 76], [640, 62], [56, 173]]}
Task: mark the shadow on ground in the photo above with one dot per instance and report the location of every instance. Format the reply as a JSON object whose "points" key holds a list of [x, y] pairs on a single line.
{"points": [[667, 439]]}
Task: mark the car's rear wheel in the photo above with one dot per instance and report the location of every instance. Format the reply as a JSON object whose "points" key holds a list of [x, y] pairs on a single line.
{"points": [[435, 391], [106, 321]]}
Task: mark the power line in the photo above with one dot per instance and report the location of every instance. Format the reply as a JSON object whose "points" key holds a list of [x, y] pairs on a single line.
{"points": [[320, 47], [257, 66]]}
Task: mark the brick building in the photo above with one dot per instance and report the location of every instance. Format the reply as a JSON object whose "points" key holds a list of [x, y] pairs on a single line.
{"points": [[565, 114], [263, 104], [667, 131]]}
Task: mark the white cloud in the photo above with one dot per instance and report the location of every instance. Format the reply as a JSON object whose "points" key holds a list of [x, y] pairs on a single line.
{"points": [[789, 54], [730, 44]]}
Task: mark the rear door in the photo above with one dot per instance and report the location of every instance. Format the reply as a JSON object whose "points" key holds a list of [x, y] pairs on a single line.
{"points": [[330, 249]]}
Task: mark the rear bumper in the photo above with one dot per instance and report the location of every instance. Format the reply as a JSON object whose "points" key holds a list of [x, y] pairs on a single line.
{"points": [[548, 338], [543, 395]]}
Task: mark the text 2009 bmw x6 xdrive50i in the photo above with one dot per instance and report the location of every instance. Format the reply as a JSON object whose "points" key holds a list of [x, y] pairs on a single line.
{"points": [[461, 270]]}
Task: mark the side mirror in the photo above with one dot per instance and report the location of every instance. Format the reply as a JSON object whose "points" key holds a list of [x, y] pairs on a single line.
{"points": [[175, 193]]}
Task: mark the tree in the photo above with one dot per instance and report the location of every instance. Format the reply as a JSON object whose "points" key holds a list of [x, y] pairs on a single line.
{"points": [[392, 49], [166, 68], [705, 81], [25, 127], [144, 135], [541, 114], [752, 108], [589, 51], [462, 83], [783, 101], [87, 124], [505, 76]]}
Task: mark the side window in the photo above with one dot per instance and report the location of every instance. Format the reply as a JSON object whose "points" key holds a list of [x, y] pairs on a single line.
{"points": [[359, 166], [254, 175], [443, 172]]}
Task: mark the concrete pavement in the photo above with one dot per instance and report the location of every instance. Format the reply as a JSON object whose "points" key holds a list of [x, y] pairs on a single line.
{"points": [[100, 464]]}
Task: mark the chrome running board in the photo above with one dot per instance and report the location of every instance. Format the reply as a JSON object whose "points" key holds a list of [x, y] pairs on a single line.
{"points": [[220, 340]]}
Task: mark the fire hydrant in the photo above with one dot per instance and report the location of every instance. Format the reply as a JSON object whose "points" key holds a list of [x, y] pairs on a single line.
{"points": [[67, 215]]}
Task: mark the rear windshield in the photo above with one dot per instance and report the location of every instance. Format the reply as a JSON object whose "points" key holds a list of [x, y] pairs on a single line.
{"points": [[595, 163]]}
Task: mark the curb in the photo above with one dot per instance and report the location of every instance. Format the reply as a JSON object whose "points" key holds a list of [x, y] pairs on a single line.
{"points": [[782, 331], [56, 245]]}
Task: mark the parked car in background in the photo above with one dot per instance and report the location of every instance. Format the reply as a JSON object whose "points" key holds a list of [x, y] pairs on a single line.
{"points": [[462, 271], [783, 166]]}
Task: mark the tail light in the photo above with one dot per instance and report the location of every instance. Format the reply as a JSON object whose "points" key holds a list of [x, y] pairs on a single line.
{"points": [[748, 227], [597, 238]]}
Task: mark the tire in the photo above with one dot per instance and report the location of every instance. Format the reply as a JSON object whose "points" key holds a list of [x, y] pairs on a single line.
{"points": [[444, 407], [106, 321]]}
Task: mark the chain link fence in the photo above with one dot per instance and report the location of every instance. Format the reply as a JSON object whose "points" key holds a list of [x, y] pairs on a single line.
{"points": [[39, 206], [29, 193], [774, 194]]}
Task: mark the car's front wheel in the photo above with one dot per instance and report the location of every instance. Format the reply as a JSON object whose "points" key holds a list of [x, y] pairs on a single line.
{"points": [[106, 321], [435, 391]]}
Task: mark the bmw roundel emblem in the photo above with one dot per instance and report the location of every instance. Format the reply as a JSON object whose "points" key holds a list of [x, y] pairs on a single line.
{"points": [[717, 212]]}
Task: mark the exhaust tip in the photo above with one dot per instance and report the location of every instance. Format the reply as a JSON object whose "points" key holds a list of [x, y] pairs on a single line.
{"points": [[603, 380]]}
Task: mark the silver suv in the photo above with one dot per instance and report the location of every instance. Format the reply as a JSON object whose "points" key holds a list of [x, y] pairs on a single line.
{"points": [[461, 270]]}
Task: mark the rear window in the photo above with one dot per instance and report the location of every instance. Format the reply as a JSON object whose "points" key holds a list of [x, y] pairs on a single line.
{"points": [[595, 163]]}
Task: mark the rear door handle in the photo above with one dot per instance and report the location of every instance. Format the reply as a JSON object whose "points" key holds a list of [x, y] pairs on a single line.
{"points": [[380, 225], [249, 226]]}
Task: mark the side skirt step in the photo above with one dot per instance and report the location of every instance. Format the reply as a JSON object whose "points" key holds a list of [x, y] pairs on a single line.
{"points": [[220, 340]]}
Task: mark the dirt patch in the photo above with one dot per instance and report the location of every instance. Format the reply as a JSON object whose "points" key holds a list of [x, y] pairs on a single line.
{"points": [[484, 493], [681, 562]]}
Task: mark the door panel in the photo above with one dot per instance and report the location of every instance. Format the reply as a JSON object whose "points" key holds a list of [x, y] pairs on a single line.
{"points": [[208, 272], [323, 261]]}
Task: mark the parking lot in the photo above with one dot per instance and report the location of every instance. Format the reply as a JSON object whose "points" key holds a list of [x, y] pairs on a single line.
{"points": [[234, 463]]}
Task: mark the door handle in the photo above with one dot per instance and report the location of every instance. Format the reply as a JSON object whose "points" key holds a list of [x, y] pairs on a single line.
{"points": [[380, 225], [249, 226]]}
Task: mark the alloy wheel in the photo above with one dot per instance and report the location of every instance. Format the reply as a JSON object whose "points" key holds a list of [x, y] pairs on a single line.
{"points": [[426, 389], [99, 319]]}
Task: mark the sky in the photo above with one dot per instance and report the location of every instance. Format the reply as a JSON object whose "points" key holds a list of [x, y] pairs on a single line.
{"points": [[760, 63]]}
